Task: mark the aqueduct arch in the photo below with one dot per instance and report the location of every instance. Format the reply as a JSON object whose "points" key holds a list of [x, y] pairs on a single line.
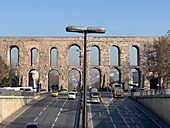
{"points": [[62, 44]]}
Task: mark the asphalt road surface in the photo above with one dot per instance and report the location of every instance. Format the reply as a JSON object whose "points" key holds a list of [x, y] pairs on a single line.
{"points": [[47, 112], [121, 113]]}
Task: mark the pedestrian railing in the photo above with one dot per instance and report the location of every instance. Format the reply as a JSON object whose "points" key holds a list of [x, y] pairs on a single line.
{"points": [[4, 92], [152, 92]]}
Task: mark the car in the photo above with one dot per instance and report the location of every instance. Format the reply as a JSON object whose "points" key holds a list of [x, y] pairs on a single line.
{"points": [[32, 125], [75, 91], [71, 95], [54, 93], [96, 94], [95, 99], [93, 90]]}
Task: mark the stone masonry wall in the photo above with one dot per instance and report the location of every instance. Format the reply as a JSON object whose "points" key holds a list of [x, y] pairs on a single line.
{"points": [[44, 45]]}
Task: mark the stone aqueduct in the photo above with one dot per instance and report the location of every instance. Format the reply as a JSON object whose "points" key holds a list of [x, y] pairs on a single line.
{"points": [[62, 44]]}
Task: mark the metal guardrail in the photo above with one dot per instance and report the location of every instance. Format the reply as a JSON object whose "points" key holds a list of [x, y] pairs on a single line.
{"points": [[77, 119], [17, 93], [152, 92]]}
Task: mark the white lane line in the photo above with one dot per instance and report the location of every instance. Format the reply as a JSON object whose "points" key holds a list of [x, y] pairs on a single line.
{"points": [[126, 112], [137, 126], [59, 113], [35, 119], [132, 120], [56, 119], [100, 114], [61, 109], [112, 122], [108, 111], [137, 114], [44, 108], [40, 113], [52, 126], [90, 124]]}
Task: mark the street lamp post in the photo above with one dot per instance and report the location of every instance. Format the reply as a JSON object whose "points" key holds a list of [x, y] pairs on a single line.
{"points": [[80, 29]]}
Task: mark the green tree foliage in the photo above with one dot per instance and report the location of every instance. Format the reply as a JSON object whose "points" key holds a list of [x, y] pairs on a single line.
{"points": [[5, 82]]}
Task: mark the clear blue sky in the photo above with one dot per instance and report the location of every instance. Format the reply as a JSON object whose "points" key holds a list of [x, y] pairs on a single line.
{"points": [[51, 17]]}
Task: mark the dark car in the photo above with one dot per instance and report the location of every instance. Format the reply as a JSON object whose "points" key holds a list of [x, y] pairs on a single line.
{"points": [[107, 89], [31, 125]]}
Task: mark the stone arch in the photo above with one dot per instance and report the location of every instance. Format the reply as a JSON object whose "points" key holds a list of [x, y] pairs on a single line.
{"points": [[74, 81], [114, 76], [34, 56], [114, 55], [134, 56], [74, 55], [14, 55], [135, 77], [95, 77], [33, 78], [95, 55], [53, 56], [53, 78]]}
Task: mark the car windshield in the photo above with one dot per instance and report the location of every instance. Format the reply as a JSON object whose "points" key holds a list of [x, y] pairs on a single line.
{"points": [[71, 93], [95, 98]]}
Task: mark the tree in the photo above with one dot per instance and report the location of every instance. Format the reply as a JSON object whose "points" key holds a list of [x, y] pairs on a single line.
{"points": [[4, 69], [158, 60]]}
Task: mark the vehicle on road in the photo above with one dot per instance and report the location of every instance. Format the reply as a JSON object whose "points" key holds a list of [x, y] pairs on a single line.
{"points": [[54, 93], [93, 90], [95, 99], [118, 90], [31, 125], [71, 95], [75, 92], [98, 94], [54, 90]]}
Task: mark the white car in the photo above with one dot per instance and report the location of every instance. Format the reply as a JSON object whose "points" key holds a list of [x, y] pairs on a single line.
{"points": [[71, 95], [95, 99]]}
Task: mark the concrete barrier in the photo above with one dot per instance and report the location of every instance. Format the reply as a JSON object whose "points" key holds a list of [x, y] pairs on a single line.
{"points": [[10, 104], [160, 105]]}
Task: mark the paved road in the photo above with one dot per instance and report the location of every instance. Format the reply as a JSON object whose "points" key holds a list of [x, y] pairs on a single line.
{"points": [[121, 113], [46, 112]]}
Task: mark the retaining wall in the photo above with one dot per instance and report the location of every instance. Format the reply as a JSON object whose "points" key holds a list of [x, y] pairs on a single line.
{"points": [[9, 105], [160, 105]]}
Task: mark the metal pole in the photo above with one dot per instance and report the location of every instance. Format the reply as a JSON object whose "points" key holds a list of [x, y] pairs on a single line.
{"points": [[84, 123]]}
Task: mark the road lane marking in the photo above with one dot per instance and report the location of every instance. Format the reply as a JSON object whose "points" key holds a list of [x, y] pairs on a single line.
{"points": [[61, 109], [35, 119], [108, 111], [90, 124], [112, 122], [56, 119], [132, 120], [40, 113], [44, 108], [59, 113], [137, 126], [52, 126], [100, 114]]}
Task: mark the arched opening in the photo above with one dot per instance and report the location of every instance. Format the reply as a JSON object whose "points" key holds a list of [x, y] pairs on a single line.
{"points": [[14, 56], [95, 78], [134, 56], [74, 56], [134, 77], [33, 78], [74, 81], [14, 76], [114, 76], [94, 56], [33, 56], [53, 78], [53, 55], [114, 56]]}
